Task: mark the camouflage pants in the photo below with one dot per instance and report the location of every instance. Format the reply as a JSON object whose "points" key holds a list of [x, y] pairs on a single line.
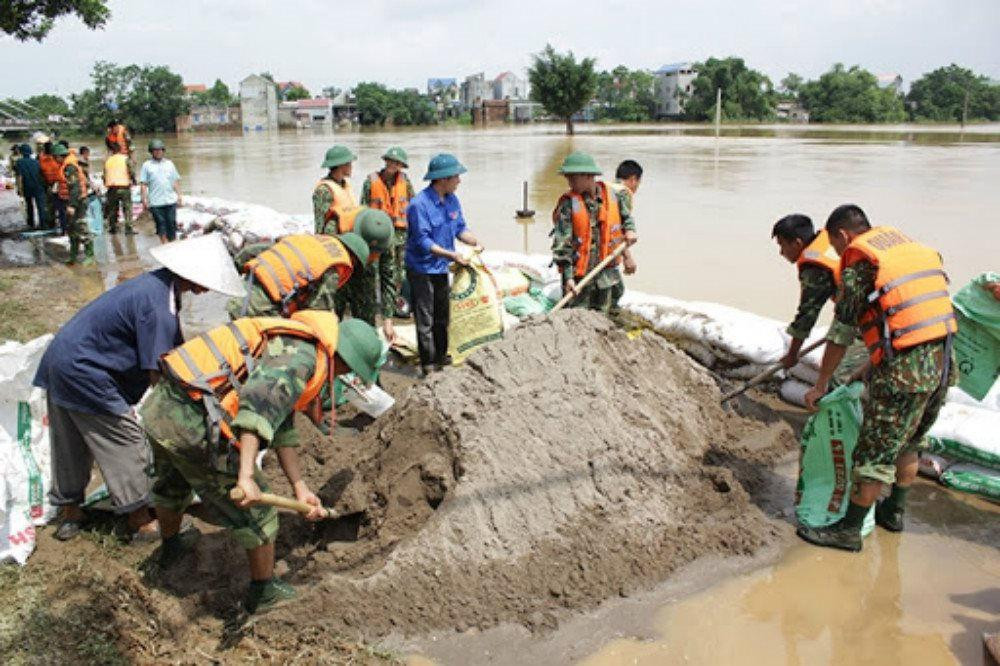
{"points": [[894, 423], [398, 263], [593, 297], [258, 303], [178, 476], [118, 198], [77, 227], [359, 294]]}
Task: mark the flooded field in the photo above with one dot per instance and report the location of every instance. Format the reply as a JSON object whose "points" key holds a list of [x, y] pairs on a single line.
{"points": [[705, 208]]}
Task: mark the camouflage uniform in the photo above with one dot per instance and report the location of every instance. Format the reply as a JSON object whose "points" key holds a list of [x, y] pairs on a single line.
{"points": [[600, 293], [178, 434], [816, 287], [258, 302], [366, 298], [77, 228], [390, 282], [119, 197], [905, 392], [322, 199]]}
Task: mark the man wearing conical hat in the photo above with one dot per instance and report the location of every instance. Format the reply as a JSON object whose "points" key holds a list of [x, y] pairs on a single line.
{"points": [[100, 364]]}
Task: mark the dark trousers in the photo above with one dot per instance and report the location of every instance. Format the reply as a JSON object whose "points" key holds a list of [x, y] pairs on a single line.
{"points": [[33, 200], [59, 208], [429, 300]]}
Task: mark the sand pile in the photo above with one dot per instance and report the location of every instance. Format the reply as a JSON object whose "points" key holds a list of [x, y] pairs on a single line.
{"points": [[558, 467]]}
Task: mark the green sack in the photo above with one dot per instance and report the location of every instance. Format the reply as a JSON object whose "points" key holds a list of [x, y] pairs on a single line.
{"points": [[529, 304], [977, 343], [969, 478], [949, 448], [828, 440]]}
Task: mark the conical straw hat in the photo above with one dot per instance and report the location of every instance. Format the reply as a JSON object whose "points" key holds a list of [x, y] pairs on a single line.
{"points": [[203, 260]]}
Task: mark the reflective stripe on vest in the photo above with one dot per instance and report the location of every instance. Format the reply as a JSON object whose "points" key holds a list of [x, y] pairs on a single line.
{"points": [[116, 171], [821, 253], [289, 269], [393, 201], [610, 226], [344, 207], [910, 304], [213, 366]]}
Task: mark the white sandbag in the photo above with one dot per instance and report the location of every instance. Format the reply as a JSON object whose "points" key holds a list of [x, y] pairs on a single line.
{"points": [[258, 224], [805, 373], [932, 465], [537, 267], [794, 391], [553, 291], [974, 427], [510, 281], [192, 222], [743, 372], [24, 449]]}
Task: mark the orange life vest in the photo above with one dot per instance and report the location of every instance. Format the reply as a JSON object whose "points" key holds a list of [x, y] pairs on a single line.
{"points": [[393, 201], [291, 267], [213, 366], [821, 253], [118, 134], [610, 224], [64, 185], [51, 170], [344, 207], [910, 304]]}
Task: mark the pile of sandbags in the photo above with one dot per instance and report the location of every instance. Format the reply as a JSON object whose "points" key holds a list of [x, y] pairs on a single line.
{"points": [[240, 223]]}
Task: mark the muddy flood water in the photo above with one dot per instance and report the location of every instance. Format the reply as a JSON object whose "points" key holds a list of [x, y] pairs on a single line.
{"points": [[704, 211]]}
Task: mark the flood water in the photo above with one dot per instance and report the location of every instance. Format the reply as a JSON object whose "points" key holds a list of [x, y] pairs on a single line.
{"points": [[706, 205]]}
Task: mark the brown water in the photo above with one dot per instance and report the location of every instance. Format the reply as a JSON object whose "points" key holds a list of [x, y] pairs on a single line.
{"points": [[705, 208]]}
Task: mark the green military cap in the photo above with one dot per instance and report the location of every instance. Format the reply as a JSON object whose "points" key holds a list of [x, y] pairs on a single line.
{"points": [[337, 156], [157, 144], [359, 347], [444, 165], [398, 154], [59, 150], [579, 162], [356, 245], [375, 226]]}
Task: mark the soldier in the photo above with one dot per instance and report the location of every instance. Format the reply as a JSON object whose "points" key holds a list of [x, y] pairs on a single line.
{"points": [[118, 179], [390, 190], [51, 173], [591, 220], [334, 203], [206, 434], [118, 135], [628, 177], [300, 272], [896, 291], [73, 192], [819, 273]]}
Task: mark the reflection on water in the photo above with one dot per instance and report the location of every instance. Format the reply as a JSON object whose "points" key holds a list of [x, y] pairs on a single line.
{"points": [[705, 208]]}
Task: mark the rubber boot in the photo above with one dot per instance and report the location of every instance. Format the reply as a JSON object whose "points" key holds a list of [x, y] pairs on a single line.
{"points": [[890, 511], [74, 251], [88, 254], [266, 594], [844, 534]]}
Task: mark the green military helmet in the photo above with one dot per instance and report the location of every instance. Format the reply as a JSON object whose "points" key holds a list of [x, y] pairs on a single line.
{"points": [[358, 345], [337, 156], [59, 150], [375, 226], [356, 245], [398, 154], [579, 162], [444, 165], [157, 144]]}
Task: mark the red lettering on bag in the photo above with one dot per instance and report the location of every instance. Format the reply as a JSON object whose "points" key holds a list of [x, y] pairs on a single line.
{"points": [[23, 537], [840, 476]]}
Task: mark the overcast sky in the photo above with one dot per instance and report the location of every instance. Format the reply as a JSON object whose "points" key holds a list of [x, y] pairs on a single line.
{"points": [[404, 42]]}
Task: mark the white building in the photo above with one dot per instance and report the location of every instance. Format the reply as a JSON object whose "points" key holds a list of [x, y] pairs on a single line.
{"points": [[510, 86], [673, 82], [258, 103], [475, 89]]}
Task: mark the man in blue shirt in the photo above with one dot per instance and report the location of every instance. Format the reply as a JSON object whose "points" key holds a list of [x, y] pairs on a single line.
{"points": [[161, 192], [32, 185], [435, 220], [100, 364]]}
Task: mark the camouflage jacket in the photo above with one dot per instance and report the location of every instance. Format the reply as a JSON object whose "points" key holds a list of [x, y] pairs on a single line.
{"points": [[562, 238], [816, 286], [76, 192], [366, 189]]}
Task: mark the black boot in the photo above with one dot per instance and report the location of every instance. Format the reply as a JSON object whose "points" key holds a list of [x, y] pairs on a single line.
{"points": [[889, 512], [844, 534]]}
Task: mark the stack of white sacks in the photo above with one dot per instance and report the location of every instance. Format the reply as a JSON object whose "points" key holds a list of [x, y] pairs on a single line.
{"points": [[240, 223]]}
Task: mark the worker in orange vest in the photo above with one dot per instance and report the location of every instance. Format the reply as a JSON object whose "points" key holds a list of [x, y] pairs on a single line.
{"points": [[73, 195], [51, 174], [390, 190], [895, 291], [334, 203]]}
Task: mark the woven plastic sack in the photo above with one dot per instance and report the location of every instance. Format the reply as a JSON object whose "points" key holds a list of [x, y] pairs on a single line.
{"points": [[977, 344]]}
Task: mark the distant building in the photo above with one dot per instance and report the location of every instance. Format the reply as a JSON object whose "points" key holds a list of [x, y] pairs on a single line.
{"points": [[440, 85], [209, 118], [345, 107], [510, 86], [258, 103], [673, 83], [444, 94], [524, 111], [792, 112], [191, 89], [474, 90], [285, 86], [890, 81], [491, 111]]}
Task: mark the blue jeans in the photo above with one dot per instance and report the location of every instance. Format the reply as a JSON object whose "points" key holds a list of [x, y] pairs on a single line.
{"points": [[165, 218]]}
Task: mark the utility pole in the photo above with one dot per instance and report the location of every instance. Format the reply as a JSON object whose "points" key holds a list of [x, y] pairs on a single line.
{"points": [[965, 109], [718, 110]]}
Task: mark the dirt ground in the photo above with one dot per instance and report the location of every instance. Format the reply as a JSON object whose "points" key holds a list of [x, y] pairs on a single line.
{"points": [[565, 465]]}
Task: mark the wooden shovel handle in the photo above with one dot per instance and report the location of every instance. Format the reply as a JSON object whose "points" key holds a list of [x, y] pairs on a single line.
{"points": [[237, 494]]}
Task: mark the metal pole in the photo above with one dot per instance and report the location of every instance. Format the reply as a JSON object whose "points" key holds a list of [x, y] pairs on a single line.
{"points": [[718, 110]]}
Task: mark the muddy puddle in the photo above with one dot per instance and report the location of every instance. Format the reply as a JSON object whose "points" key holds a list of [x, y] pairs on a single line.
{"points": [[923, 597]]}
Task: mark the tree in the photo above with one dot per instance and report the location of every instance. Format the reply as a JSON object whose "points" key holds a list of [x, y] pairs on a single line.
{"points": [[49, 105], [941, 95], [790, 86], [296, 93], [33, 19], [268, 76], [561, 84], [626, 95], [217, 95], [147, 99], [377, 105], [746, 93], [851, 96]]}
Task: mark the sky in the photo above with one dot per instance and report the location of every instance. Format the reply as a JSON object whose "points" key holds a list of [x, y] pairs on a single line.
{"points": [[402, 43]]}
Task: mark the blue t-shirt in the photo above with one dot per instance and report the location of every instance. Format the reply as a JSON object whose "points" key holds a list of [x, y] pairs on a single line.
{"points": [[31, 174], [159, 178], [99, 362], [432, 221]]}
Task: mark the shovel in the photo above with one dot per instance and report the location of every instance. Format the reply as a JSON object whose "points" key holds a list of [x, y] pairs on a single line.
{"points": [[237, 494], [588, 277], [770, 372]]}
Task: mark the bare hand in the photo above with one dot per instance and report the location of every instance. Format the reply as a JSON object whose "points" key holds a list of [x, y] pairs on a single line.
{"points": [[569, 287], [462, 260], [70, 211], [629, 265], [251, 493], [303, 494], [813, 396], [389, 330], [478, 249], [631, 238]]}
